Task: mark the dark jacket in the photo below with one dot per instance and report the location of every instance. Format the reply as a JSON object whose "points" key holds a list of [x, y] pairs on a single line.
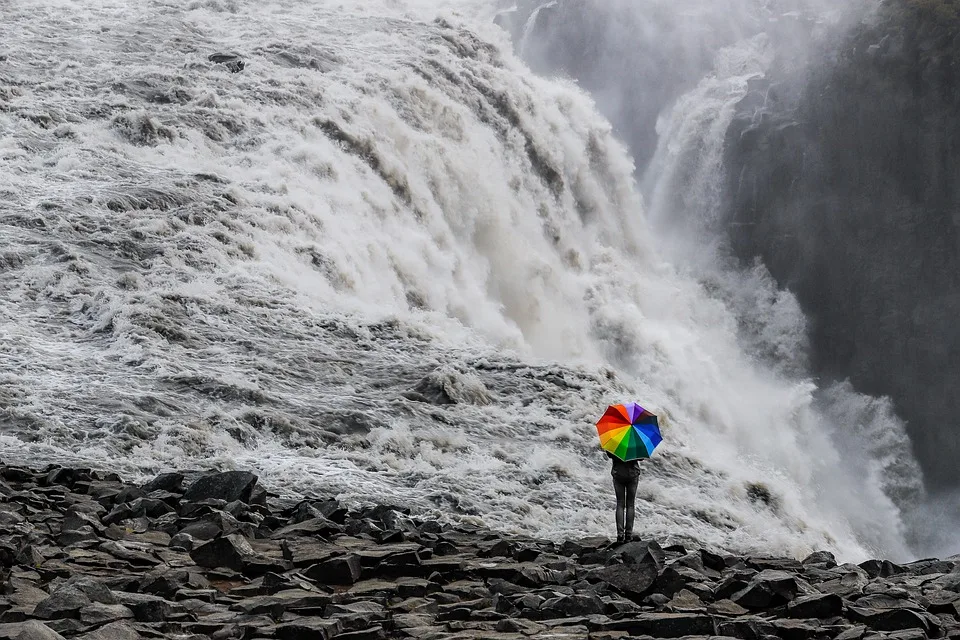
{"points": [[624, 470]]}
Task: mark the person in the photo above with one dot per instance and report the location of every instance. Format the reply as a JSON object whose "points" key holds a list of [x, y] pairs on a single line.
{"points": [[626, 477]]}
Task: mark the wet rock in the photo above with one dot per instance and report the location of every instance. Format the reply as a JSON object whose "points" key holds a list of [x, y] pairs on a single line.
{"points": [[146, 607], [571, 606], [639, 553], [171, 482], [96, 613], [318, 526], [309, 629], [234, 552], [796, 629], [113, 631], [231, 61], [823, 605], [33, 630], [660, 625], [769, 588], [852, 633], [228, 486], [62, 603], [342, 570], [823, 559], [632, 581], [893, 619], [880, 568], [290, 600]]}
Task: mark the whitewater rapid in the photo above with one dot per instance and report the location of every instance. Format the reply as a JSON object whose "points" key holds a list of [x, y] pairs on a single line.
{"points": [[274, 269]]}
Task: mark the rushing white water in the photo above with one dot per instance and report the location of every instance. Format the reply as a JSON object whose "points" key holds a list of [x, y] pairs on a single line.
{"points": [[256, 269]]}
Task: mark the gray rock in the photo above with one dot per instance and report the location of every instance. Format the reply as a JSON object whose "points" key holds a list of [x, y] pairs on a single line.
{"points": [[172, 482], [231, 61], [748, 627], [28, 596], [146, 607], [227, 486], [288, 600], [823, 605], [65, 602], [33, 630], [74, 519], [309, 629], [127, 551], [97, 613], [633, 581], [890, 619], [881, 568], [113, 631], [78, 535], [93, 588], [853, 633], [796, 629], [342, 570], [769, 588], [234, 552], [318, 526], [660, 625], [572, 606], [639, 553], [182, 541], [823, 559]]}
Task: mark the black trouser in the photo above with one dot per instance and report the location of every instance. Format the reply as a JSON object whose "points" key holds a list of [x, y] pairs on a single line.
{"points": [[626, 489]]}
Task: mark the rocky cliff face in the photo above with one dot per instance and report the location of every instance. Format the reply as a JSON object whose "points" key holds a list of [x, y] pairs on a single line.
{"points": [[849, 190]]}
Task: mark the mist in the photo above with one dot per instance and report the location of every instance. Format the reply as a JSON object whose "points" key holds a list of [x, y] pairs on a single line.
{"points": [[684, 84]]}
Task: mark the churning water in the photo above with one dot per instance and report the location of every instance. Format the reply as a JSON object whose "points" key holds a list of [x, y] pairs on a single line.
{"points": [[386, 261]]}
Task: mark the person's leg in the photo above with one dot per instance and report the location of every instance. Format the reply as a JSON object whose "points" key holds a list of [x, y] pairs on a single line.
{"points": [[621, 490], [630, 498]]}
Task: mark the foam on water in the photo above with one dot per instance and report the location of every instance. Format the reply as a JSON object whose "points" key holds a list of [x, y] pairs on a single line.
{"points": [[273, 269]]}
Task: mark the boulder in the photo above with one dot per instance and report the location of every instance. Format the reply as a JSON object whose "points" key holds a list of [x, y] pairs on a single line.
{"points": [[639, 553], [234, 552], [146, 607], [65, 602], [309, 629], [822, 605], [119, 630], [227, 486], [891, 619], [172, 482], [96, 613], [823, 559], [880, 568], [796, 629], [632, 581], [231, 61], [33, 630], [340, 570], [571, 606], [659, 625], [769, 588]]}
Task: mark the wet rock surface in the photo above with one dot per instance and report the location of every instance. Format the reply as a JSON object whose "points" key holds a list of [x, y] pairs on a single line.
{"points": [[269, 568]]}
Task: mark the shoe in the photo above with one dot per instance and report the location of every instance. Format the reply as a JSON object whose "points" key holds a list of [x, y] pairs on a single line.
{"points": [[620, 538]]}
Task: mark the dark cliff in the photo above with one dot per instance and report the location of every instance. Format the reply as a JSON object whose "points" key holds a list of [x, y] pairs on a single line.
{"points": [[849, 190]]}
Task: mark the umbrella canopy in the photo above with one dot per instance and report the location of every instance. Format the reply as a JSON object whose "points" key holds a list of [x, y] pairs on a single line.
{"points": [[629, 431]]}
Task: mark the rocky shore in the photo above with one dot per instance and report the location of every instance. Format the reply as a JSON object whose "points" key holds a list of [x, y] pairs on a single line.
{"points": [[212, 555]]}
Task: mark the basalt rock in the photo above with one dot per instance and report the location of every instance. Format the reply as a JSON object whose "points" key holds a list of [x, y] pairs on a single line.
{"points": [[297, 572]]}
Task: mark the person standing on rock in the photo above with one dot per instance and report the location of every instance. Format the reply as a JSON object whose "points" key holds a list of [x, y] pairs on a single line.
{"points": [[628, 433], [626, 477]]}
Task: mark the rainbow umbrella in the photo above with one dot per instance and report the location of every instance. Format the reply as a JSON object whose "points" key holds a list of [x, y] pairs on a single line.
{"points": [[629, 431]]}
